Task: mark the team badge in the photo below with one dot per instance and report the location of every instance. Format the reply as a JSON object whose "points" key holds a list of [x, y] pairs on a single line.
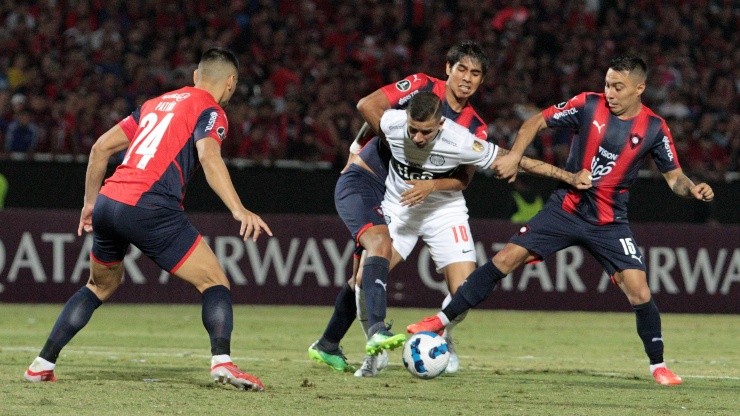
{"points": [[523, 230], [477, 146], [561, 105], [436, 160], [379, 210], [635, 140], [403, 85], [221, 131]]}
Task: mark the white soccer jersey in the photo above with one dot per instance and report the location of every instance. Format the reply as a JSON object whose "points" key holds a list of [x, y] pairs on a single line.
{"points": [[453, 146]]}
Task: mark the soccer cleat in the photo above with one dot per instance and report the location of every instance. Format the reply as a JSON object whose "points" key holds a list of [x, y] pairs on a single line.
{"points": [[373, 364], [428, 324], [37, 373], [383, 340], [228, 373], [453, 365], [666, 377], [337, 361]]}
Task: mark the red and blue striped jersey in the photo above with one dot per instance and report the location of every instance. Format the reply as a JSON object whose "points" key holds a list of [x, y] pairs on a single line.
{"points": [[162, 156], [613, 150]]}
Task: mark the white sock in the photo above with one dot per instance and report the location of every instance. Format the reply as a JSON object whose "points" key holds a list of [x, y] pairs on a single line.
{"points": [[220, 359], [654, 367], [40, 364], [442, 317]]}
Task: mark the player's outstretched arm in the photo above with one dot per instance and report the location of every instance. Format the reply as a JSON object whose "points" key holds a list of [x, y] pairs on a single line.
{"points": [[507, 166], [217, 175], [579, 180], [109, 143], [682, 186]]}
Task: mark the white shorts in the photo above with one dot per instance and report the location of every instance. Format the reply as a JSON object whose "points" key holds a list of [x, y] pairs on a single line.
{"points": [[445, 230]]}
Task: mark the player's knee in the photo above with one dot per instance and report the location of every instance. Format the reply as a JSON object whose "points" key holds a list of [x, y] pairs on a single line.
{"points": [[378, 244]]}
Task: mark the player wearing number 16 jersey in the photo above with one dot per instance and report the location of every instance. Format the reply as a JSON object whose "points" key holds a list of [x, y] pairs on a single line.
{"points": [[141, 204]]}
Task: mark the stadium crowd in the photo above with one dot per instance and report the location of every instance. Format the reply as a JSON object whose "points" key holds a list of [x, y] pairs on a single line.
{"points": [[69, 69]]}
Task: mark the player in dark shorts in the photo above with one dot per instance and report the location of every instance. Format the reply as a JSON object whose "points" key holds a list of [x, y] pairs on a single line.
{"points": [[360, 189], [615, 135], [167, 139]]}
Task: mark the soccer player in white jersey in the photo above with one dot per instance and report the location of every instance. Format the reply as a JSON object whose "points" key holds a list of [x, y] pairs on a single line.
{"points": [[424, 145]]}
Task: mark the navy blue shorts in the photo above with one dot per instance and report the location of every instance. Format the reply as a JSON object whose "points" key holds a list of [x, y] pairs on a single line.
{"points": [[357, 197], [553, 229], [164, 235]]}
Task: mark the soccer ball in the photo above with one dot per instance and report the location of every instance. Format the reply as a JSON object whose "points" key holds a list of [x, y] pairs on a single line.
{"points": [[425, 355]]}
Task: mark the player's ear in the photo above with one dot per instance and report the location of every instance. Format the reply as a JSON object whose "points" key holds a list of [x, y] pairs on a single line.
{"points": [[448, 69], [195, 76]]}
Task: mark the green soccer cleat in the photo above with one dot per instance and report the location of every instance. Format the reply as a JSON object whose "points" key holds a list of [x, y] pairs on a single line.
{"points": [[383, 340], [337, 361]]}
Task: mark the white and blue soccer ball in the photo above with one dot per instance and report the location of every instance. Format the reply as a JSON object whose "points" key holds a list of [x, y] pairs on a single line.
{"points": [[425, 355]]}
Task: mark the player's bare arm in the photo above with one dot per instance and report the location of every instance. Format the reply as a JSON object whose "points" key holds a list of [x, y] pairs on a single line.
{"points": [[579, 180], [684, 187], [109, 143], [507, 166], [217, 175], [421, 188]]}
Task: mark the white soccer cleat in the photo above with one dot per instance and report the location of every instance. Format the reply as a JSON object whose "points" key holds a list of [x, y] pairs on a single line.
{"points": [[372, 364], [40, 370]]}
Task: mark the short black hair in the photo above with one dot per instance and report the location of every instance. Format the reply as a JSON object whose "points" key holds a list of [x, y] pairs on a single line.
{"points": [[629, 63], [220, 54], [471, 49], [425, 105]]}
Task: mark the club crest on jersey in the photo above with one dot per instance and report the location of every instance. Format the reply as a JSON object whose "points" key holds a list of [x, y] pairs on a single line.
{"points": [[561, 106], [221, 131], [635, 140], [436, 160], [477, 146], [379, 210], [403, 85], [523, 230]]}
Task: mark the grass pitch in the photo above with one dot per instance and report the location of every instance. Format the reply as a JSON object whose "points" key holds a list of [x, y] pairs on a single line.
{"points": [[153, 360]]}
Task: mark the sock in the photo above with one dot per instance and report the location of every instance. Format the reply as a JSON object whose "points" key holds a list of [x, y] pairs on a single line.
{"points": [[374, 278], [218, 318], [361, 309], [220, 359], [74, 316], [341, 320], [449, 326], [474, 290], [648, 328]]}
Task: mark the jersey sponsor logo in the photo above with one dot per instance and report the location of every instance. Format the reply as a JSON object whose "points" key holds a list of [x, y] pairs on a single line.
{"points": [[403, 85], [448, 141], [599, 126], [211, 121], [410, 173], [405, 99], [561, 106], [221, 131], [635, 140], [177, 97], [607, 154], [564, 113], [436, 160], [667, 145], [478, 146]]}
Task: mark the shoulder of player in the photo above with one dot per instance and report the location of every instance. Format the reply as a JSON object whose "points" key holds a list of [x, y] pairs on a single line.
{"points": [[392, 119]]}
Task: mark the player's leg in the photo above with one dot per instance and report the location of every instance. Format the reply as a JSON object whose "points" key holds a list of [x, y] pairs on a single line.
{"points": [[615, 247], [106, 273]]}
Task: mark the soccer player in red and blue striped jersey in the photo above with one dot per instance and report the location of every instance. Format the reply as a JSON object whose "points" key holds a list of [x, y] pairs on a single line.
{"points": [[167, 139], [615, 132]]}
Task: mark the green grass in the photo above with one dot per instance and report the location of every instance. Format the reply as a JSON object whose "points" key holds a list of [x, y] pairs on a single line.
{"points": [[153, 360]]}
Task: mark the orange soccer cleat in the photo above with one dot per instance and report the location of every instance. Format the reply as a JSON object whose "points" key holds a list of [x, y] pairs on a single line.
{"points": [[428, 324]]}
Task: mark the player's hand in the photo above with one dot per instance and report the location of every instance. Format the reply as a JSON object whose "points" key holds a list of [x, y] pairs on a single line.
{"points": [[85, 220], [582, 179], [702, 192], [506, 167], [418, 192], [251, 225]]}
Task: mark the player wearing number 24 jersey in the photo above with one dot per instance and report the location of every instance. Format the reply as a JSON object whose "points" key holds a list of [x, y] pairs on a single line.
{"points": [[162, 156]]}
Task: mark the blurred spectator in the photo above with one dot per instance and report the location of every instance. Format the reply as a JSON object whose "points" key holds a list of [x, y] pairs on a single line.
{"points": [[23, 134]]}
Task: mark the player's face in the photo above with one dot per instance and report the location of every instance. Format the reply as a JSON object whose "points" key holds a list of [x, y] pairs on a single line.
{"points": [[623, 93], [423, 132], [464, 78]]}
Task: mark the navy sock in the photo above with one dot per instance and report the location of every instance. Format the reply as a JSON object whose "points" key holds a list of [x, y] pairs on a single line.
{"points": [[218, 318], [648, 328], [345, 312], [474, 290], [74, 316], [374, 281]]}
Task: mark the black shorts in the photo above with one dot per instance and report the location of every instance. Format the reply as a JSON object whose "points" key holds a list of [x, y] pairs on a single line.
{"points": [[553, 229], [357, 197], [164, 235]]}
